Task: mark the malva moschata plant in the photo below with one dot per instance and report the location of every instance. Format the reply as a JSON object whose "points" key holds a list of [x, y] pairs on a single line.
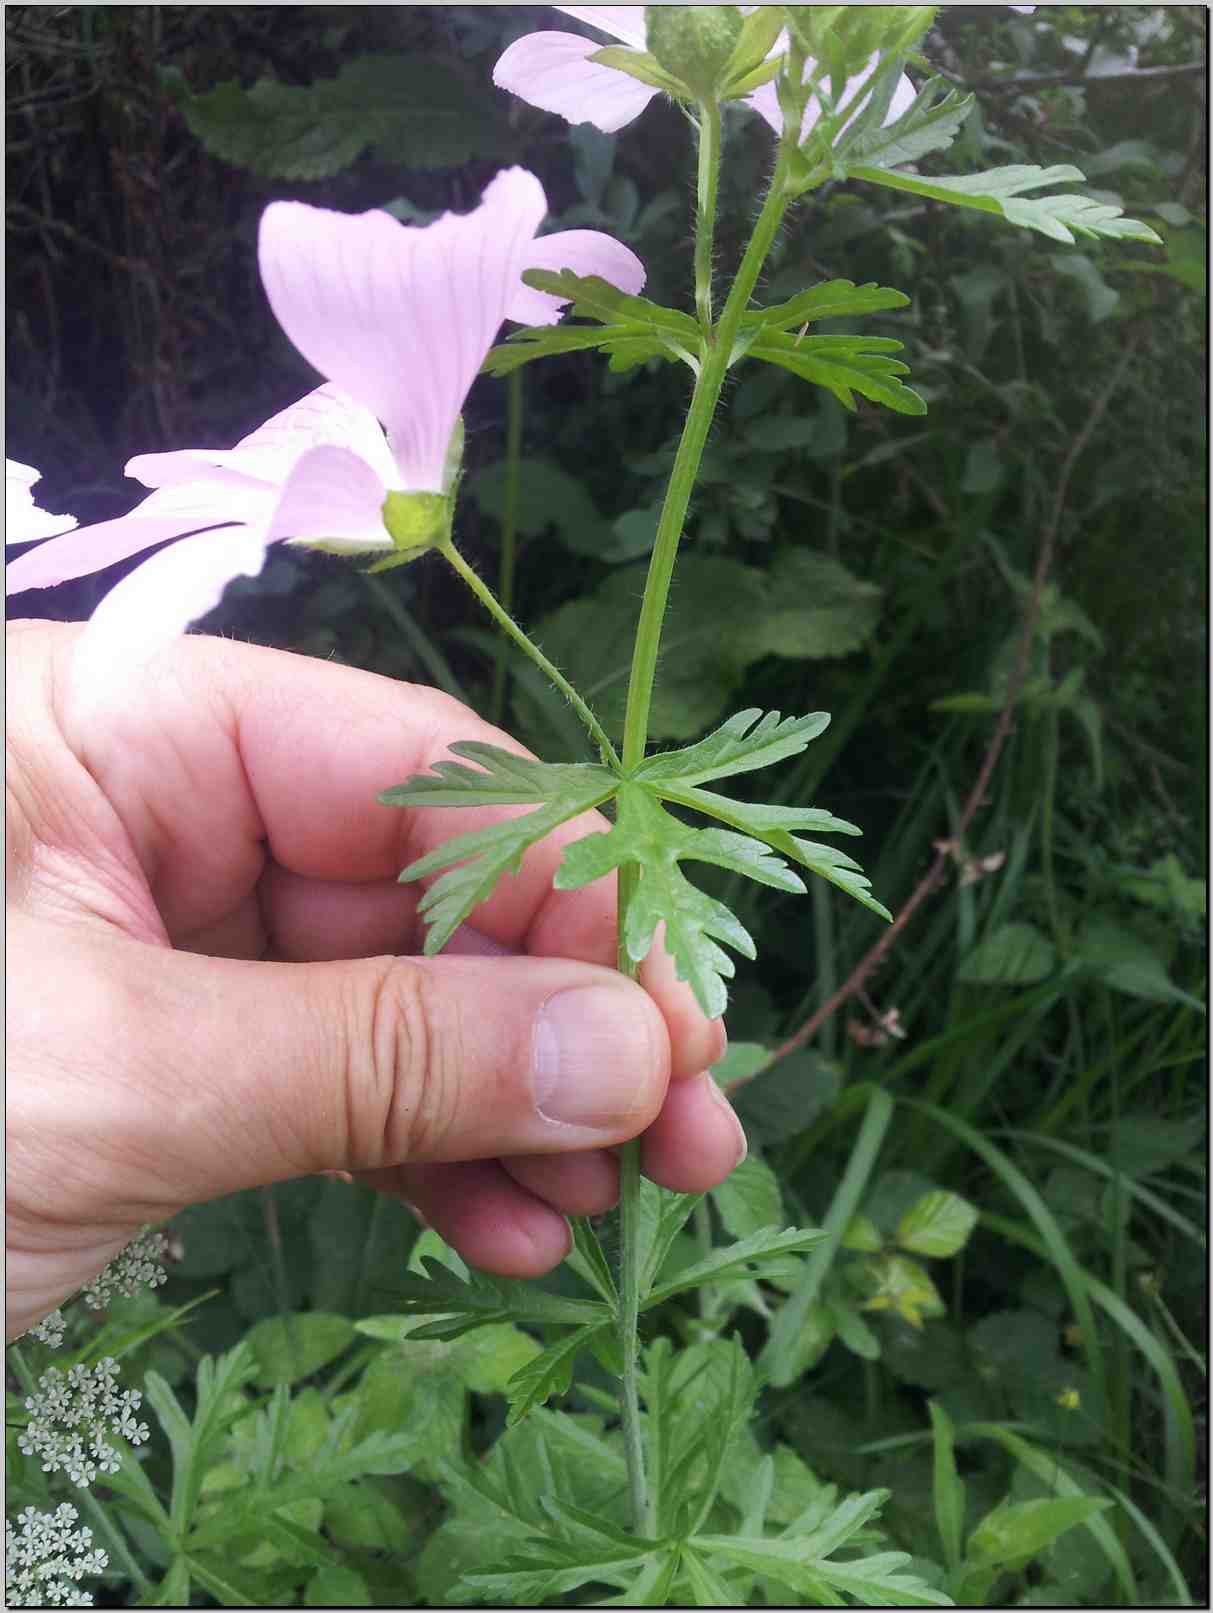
{"points": [[398, 320]]}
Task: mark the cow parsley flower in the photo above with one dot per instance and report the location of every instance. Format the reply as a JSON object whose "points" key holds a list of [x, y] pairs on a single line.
{"points": [[135, 1267], [74, 1415], [45, 1557]]}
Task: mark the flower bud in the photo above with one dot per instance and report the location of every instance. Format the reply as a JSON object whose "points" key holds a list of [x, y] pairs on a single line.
{"points": [[693, 43], [843, 38]]}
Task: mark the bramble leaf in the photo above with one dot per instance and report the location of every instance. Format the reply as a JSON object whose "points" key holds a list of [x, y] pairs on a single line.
{"points": [[1002, 191], [843, 365]]}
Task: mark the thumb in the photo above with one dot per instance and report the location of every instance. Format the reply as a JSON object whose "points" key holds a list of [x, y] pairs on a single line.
{"points": [[233, 1074]]}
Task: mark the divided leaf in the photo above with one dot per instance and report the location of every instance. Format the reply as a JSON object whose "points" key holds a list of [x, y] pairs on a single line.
{"points": [[567, 789], [1003, 191], [749, 740], [646, 835], [843, 365], [930, 124], [631, 329], [506, 780], [481, 1300], [832, 299], [737, 1262]]}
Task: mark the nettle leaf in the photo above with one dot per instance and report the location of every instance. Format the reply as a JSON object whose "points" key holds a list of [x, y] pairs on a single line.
{"points": [[632, 329], [930, 124], [419, 110], [843, 365], [646, 835], [1003, 191], [832, 299]]}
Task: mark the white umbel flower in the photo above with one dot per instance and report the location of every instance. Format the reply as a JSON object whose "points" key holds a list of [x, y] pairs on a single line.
{"points": [[73, 1418], [45, 1557]]}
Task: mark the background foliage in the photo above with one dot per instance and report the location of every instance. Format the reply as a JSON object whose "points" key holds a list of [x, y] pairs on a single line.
{"points": [[1027, 1062]]}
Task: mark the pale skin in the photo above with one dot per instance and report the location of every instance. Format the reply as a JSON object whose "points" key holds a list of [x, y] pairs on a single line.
{"points": [[214, 980]]}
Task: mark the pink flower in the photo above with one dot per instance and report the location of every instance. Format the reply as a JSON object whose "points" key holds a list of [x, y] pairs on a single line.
{"points": [[552, 70], [398, 319], [23, 519]]}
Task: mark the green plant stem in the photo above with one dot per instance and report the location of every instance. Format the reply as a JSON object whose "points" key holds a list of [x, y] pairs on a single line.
{"points": [[717, 352], [629, 1312], [705, 224], [508, 625], [509, 525], [686, 468]]}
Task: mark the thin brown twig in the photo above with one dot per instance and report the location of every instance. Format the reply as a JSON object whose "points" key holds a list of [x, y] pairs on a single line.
{"points": [[857, 978]]}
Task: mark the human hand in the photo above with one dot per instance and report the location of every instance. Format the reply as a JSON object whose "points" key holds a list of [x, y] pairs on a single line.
{"points": [[205, 992]]}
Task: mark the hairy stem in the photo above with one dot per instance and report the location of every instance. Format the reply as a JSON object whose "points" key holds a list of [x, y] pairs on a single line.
{"points": [[705, 223], [718, 349], [509, 524], [508, 625], [629, 1311], [706, 395]]}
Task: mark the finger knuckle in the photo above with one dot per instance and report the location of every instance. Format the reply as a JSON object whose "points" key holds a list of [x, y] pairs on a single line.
{"points": [[414, 1063]]}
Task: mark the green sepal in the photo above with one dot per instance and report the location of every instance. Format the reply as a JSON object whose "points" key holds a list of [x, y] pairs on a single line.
{"points": [[417, 521], [640, 65], [748, 66]]}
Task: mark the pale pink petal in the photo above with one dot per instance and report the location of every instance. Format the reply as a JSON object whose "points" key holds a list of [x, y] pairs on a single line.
{"points": [[266, 455], [552, 71], [326, 417], [152, 607], [622, 22], [23, 519], [400, 317], [332, 496], [585, 252], [169, 512]]}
